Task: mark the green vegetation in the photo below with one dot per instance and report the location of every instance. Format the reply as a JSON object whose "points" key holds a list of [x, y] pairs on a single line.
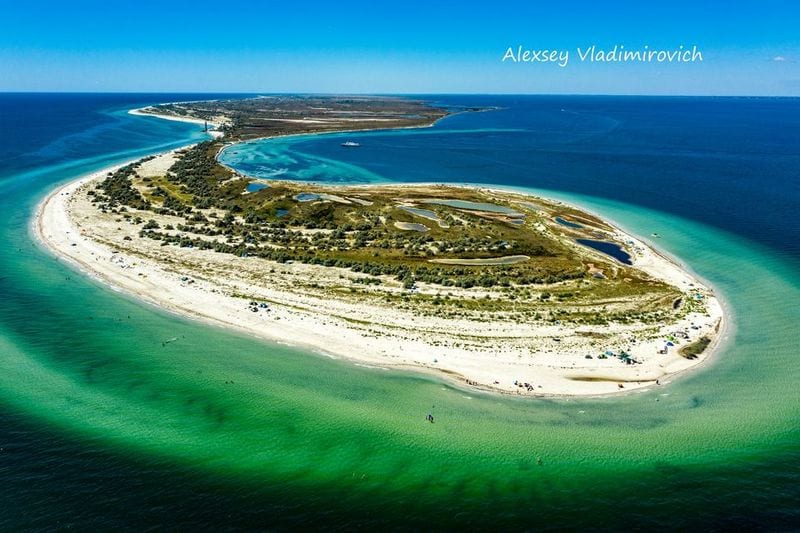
{"points": [[691, 351], [116, 190]]}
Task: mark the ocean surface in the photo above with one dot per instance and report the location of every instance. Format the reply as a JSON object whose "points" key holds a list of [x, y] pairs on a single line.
{"points": [[114, 414]]}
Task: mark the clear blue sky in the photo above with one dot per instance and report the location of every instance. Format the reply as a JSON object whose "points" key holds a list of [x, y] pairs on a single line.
{"points": [[402, 47]]}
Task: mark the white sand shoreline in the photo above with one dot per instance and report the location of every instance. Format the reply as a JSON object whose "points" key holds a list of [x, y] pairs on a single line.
{"points": [[215, 132]]}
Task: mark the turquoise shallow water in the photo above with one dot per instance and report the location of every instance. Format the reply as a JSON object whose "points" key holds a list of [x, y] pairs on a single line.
{"points": [[104, 426]]}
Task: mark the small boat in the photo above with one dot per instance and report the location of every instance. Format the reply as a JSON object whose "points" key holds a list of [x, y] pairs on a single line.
{"points": [[351, 144]]}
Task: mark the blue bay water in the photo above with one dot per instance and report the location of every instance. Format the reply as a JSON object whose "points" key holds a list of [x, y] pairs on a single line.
{"points": [[103, 426]]}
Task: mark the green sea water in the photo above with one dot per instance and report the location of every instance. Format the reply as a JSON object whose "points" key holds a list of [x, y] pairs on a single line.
{"points": [[270, 435]]}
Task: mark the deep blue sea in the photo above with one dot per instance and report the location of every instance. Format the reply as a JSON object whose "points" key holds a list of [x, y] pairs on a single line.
{"points": [[102, 427]]}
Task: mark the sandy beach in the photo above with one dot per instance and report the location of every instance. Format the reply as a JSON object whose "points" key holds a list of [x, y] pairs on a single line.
{"points": [[497, 355], [216, 123]]}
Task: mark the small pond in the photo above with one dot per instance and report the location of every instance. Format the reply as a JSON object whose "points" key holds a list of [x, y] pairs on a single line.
{"points": [[307, 197], [608, 248], [474, 206], [568, 223]]}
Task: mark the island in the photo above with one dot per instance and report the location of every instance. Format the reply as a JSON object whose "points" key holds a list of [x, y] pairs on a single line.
{"points": [[493, 289]]}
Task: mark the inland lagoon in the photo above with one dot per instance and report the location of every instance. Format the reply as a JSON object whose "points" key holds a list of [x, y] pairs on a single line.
{"points": [[608, 248]]}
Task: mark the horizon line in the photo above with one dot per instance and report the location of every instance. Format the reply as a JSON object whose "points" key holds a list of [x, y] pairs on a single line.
{"points": [[238, 93]]}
